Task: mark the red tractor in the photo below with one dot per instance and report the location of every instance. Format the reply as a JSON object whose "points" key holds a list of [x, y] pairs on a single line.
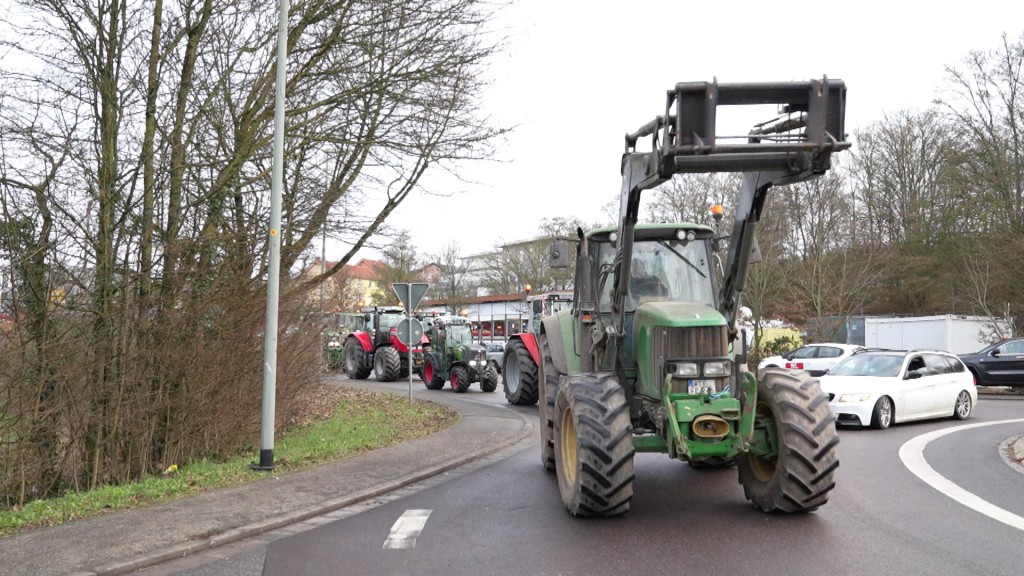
{"points": [[522, 354], [377, 347]]}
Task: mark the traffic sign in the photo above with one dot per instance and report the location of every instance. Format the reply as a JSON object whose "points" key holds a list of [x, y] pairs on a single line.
{"points": [[410, 331], [410, 294]]}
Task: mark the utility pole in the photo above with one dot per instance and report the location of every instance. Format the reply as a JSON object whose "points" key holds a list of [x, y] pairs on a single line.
{"points": [[274, 272]]}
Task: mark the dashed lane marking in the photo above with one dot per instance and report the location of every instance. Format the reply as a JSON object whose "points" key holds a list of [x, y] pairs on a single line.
{"points": [[406, 529], [912, 454]]}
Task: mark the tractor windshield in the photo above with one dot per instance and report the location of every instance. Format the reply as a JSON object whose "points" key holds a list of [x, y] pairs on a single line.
{"points": [[389, 321], [662, 270], [459, 334], [555, 304]]}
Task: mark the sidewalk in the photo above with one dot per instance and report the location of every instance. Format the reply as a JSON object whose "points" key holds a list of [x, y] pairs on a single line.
{"points": [[128, 540]]}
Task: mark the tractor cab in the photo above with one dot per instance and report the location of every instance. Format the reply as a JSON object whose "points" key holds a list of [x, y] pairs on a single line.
{"points": [[670, 307]]}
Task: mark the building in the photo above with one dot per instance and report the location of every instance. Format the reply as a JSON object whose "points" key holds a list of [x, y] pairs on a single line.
{"points": [[492, 318], [356, 286]]}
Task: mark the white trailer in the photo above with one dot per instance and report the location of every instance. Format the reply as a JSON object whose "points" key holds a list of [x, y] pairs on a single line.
{"points": [[949, 332]]}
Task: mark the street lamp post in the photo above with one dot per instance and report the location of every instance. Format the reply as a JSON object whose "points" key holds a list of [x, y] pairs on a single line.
{"points": [[526, 304], [274, 268]]}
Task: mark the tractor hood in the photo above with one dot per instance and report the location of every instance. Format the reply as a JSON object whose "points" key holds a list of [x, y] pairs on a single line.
{"points": [[662, 330], [675, 315], [467, 352]]}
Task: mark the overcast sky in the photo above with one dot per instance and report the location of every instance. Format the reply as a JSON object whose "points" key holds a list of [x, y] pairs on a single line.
{"points": [[576, 76]]}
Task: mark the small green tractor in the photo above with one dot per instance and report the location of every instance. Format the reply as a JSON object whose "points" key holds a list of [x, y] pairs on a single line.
{"points": [[649, 358], [452, 355], [334, 339]]}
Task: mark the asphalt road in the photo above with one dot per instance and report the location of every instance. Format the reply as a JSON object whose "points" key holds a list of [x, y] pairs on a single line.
{"points": [[504, 516]]}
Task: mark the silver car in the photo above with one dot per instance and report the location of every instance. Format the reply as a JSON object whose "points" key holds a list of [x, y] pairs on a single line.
{"points": [[495, 351]]}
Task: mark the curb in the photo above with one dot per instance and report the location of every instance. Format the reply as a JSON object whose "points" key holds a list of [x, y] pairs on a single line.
{"points": [[230, 536]]}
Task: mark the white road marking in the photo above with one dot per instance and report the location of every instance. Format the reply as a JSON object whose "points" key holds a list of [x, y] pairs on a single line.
{"points": [[406, 529], [912, 454]]}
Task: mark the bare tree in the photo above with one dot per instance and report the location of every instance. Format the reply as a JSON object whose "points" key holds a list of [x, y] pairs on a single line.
{"points": [[452, 286], [134, 183], [689, 197], [401, 265], [985, 103]]}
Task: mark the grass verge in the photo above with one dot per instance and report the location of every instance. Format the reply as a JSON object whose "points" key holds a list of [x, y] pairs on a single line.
{"points": [[336, 423]]}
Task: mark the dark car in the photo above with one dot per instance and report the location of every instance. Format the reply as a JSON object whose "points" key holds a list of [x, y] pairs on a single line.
{"points": [[999, 364]]}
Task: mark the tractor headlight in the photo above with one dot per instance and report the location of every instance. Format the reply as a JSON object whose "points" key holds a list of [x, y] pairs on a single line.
{"points": [[716, 369], [862, 397], [683, 369]]}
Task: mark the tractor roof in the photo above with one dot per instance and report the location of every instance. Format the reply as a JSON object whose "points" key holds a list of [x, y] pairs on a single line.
{"points": [[666, 231]]}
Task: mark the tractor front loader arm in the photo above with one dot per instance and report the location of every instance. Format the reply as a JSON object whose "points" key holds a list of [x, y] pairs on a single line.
{"points": [[793, 147]]}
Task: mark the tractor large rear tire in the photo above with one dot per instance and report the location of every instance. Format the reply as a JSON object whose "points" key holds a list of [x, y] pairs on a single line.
{"points": [[460, 379], [594, 446], [432, 379], [519, 375], [489, 380], [357, 361], [793, 413], [548, 390], [387, 363]]}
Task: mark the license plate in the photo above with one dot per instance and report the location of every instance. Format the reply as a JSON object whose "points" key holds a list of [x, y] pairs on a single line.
{"points": [[701, 387]]}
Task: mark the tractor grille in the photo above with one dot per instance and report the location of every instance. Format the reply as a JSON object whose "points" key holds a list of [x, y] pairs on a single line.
{"points": [[698, 343]]}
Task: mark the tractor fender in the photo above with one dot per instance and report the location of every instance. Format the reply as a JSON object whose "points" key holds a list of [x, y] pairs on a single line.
{"points": [[551, 328], [396, 343], [364, 340], [529, 341]]}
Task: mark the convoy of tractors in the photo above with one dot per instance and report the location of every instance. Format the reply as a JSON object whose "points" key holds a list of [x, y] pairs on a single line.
{"points": [[645, 354]]}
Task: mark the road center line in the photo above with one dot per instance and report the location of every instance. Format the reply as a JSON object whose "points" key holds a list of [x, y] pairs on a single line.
{"points": [[406, 529], [912, 454]]}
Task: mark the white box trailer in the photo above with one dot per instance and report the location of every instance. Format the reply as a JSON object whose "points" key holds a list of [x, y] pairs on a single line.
{"points": [[949, 332]]}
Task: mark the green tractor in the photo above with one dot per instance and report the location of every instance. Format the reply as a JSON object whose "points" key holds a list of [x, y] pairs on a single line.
{"points": [[452, 355], [649, 357], [334, 339]]}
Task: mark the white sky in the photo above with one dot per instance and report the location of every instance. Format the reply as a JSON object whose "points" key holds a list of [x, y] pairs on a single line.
{"points": [[576, 76]]}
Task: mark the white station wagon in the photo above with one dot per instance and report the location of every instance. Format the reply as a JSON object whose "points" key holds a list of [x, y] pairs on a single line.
{"points": [[879, 388]]}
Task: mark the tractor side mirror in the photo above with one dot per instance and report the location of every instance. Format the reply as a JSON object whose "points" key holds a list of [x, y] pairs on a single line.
{"points": [[755, 252], [558, 254]]}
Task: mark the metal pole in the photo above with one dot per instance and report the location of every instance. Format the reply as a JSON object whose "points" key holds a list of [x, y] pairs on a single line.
{"points": [[411, 344], [274, 273]]}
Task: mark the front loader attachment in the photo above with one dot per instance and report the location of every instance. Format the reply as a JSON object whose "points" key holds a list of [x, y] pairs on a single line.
{"points": [[802, 139]]}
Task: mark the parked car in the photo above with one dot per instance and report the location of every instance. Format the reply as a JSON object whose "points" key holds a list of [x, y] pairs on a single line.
{"points": [[882, 387], [495, 352], [814, 358], [999, 364]]}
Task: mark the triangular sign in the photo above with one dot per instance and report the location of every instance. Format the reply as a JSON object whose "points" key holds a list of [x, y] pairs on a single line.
{"points": [[410, 294]]}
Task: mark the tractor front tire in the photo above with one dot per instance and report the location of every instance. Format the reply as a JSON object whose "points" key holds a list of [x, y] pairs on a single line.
{"points": [[548, 390], [793, 416], [519, 375], [594, 446], [431, 379], [460, 379], [489, 380], [387, 363], [357, 361]]}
